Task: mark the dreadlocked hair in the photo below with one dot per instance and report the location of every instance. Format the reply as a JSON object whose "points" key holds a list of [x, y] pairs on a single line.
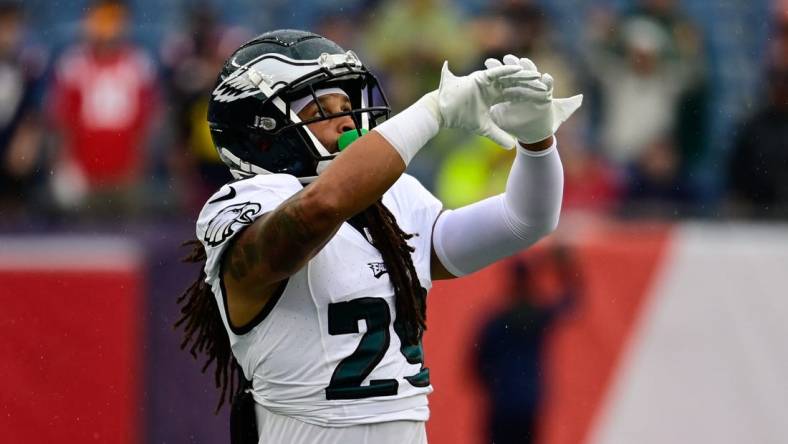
{"points": [[204, 332], [392, 243]]}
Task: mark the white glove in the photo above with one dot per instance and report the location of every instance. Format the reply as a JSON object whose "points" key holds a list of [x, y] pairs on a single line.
{"points": [[530, 112], [464, 102]]}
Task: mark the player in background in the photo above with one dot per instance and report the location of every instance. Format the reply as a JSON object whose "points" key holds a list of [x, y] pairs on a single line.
{"points": [[322, 230]]}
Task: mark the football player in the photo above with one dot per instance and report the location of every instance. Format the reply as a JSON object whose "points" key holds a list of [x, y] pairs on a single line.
{"points": [[318, 258]]}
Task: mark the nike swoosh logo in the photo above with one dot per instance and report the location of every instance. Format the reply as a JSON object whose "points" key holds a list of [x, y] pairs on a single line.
{"points": [[227, 196]]}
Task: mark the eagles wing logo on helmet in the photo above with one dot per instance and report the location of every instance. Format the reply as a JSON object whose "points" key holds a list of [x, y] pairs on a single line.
{"points": [[227, 221], [240, 85]]}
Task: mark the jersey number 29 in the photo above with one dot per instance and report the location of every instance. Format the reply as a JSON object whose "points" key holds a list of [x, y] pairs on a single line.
{"points": [[346, 381]]}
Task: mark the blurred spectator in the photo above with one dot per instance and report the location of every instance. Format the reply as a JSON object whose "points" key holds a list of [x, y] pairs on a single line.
{"points": [[341, 25], [649, 68], [409, 40], [759, 164], [21, 70], [104, 101], [519, 27], [473, 171], [687, 46], [590, 185], [191, 58], [511, 344]]}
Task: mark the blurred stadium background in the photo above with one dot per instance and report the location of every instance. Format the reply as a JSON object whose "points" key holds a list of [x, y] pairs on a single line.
{"points": [[657, 313]]}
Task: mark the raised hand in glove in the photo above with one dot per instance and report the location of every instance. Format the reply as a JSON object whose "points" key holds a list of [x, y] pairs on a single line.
{"points": [[530, 113], [464, 102]]}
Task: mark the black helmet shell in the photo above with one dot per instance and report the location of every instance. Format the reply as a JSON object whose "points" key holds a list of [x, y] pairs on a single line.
{"points": [[249, 115]]}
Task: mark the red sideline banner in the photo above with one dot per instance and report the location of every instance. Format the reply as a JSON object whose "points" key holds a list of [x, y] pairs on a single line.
{"points": [[71, 329], [618, 263]]}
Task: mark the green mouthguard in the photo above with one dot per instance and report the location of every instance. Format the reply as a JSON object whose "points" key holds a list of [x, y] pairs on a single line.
{"points": [[349, 137]]}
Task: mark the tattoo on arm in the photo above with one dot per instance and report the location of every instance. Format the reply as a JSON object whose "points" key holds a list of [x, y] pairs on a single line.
{"points": [[283, 238], [236, 266], [287, 236]]}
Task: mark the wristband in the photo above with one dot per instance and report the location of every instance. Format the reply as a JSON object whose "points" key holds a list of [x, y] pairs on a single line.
{"points": [[409, 130]]}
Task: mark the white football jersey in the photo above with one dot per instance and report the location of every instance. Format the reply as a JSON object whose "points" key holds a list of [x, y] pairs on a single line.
{"points": [[327, 350]]}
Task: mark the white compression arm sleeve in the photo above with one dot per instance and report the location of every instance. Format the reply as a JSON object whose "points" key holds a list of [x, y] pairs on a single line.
{"points": [[409, 130], [474, 236]]}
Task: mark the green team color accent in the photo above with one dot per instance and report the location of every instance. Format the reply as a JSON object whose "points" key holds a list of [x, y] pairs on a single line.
{"points": [[343, 319], [349, 137]]}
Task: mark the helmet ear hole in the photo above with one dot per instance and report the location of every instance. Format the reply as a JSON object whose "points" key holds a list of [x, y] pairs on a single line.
{"points": [[266, 123]]}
